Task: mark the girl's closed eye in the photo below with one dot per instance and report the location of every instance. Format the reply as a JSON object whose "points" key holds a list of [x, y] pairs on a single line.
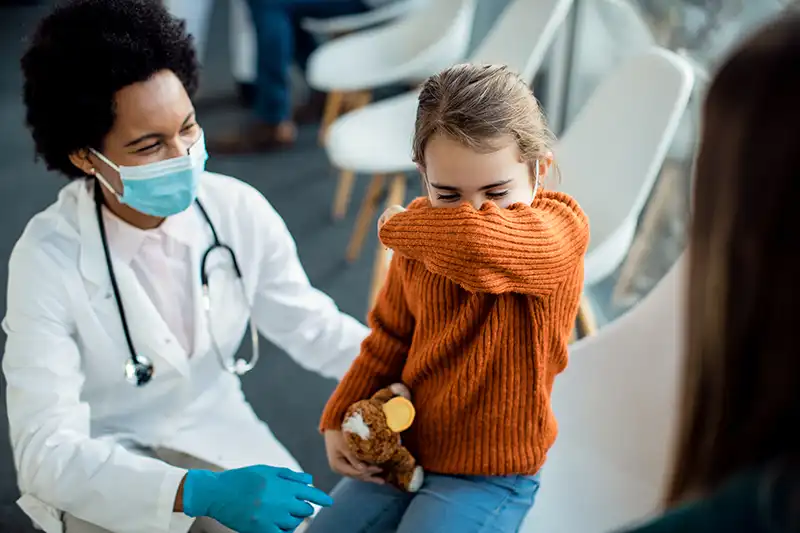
{"points": [[448, 197], [497, 194], [452, 197]]}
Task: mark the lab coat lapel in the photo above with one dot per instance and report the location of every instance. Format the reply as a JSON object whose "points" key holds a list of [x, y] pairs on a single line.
{"points": [[150, 335]]}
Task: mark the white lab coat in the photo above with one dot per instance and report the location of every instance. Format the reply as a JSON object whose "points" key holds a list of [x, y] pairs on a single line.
{"points": [[74, 418]]}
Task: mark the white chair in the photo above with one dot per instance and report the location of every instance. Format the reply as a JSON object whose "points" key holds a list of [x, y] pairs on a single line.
{"points": [[242, 39], [611, 155], [407, 50], [332, 27], [616, 407], [612, 152]]}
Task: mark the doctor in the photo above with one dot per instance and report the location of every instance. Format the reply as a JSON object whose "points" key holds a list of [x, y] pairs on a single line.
{"points": [[128, 298]]}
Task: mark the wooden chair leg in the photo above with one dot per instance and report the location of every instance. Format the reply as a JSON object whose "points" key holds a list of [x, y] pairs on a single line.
{"points": [[333, 107], [396, 196], [344, 188], [344, 191], [365, 216], [397, 191], [586, 322], [356, 100]]}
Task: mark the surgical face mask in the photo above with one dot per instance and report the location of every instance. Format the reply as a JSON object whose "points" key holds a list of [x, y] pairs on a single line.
{"points": [[163, 188]]}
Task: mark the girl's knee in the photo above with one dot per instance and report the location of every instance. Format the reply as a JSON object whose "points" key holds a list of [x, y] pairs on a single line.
{"points": [[360, 507]]}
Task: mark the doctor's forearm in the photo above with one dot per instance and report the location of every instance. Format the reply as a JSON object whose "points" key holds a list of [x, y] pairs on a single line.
{"points": [[178, 505]]}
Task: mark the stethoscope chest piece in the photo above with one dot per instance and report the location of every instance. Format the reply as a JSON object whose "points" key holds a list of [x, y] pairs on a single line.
{"points": [[138, 371], [138, 368]]}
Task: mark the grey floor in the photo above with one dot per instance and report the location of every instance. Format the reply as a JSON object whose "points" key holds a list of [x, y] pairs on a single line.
{"points": [[299, 184]]}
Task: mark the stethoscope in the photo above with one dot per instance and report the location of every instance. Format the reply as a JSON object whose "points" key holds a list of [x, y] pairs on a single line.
{"points": [[139, 369]]}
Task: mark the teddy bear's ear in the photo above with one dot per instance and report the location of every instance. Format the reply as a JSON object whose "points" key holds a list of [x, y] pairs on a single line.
{"points": [[399, 414]]}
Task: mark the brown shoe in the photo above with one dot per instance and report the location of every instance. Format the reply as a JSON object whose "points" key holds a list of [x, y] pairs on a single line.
{"points": [[255, 138]]}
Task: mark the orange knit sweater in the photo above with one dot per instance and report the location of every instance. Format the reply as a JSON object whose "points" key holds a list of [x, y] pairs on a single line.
{"points": [[474, 318]]}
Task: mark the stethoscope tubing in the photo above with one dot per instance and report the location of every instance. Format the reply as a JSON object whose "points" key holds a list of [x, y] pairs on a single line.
{"points": [[139, 370]]}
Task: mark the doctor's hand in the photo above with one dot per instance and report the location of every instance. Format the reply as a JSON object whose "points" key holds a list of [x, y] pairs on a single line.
{"points": [[255, 499], [343, 461]]}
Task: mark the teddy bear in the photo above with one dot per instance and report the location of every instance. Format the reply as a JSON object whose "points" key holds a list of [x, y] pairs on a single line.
{"points": [[372, 430]]}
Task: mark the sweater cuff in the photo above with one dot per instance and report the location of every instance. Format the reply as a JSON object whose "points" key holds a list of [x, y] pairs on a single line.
{"points": [[354, 387], [333, 414]]}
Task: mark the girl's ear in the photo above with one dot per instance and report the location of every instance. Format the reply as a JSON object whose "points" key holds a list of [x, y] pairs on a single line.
{"points": [[545, 163]]}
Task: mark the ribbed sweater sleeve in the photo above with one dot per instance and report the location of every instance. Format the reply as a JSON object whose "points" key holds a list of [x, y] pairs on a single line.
{"points": [[529, 249], [383, 352]]}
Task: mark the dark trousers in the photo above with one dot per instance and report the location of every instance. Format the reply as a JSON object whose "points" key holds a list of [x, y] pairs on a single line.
{"points": [[281, 41]]}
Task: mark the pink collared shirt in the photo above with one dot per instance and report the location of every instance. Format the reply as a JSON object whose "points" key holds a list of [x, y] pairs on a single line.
{"points": [[161, 260]]}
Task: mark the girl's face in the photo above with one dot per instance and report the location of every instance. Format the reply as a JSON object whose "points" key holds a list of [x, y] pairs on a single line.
{"points": [[455, 174]]}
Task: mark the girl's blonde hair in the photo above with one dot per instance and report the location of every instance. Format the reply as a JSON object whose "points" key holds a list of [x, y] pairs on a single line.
{"points": [[480, 106]]}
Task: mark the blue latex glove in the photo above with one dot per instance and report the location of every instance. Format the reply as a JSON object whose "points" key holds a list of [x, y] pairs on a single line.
{"points": [[255, 499]]}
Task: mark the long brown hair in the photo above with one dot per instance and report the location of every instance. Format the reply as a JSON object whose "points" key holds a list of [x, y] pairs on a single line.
{"points": [[741, 397]]}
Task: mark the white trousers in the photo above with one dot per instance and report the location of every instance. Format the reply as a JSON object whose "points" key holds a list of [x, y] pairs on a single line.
{"points": [[181, 460]]}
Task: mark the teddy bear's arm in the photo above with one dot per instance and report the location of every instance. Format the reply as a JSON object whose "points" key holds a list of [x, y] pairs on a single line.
{"points": [[395, 389]]}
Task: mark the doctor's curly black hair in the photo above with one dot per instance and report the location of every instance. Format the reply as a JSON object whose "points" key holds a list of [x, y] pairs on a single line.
{"points": [[85, 51]]}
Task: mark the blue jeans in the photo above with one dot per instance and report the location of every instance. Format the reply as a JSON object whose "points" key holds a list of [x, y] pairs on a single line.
{"points": [[281, 41], [444, 504]]}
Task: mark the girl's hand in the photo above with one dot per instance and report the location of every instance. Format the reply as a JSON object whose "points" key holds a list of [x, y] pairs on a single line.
{"points": [[389, 213], [343, 462], [399, 389]]}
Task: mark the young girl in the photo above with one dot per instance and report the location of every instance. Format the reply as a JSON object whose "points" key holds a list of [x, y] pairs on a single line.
{"points": [[474, 318]]}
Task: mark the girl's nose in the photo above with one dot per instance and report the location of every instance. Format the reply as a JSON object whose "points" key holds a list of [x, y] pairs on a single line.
{"points": [[477, 202]]}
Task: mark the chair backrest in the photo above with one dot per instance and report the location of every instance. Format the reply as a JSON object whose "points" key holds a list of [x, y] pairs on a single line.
{"points": [[613, 150], [522, 35], [242, 37], [388, 12], [616, 407], [425, 29]]}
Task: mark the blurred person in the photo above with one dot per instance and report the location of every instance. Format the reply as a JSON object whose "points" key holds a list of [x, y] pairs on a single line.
{"points": [[281, 41], [474, 318], [128, 298], [737, 465], [197, 14]]}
